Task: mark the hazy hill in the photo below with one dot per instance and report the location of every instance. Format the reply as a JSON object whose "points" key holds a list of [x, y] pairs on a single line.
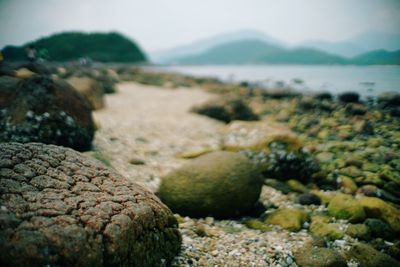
{"points": [[259, 52], [200, 46], [345, 49], [239, 52], [103, 47], [378, 57]]}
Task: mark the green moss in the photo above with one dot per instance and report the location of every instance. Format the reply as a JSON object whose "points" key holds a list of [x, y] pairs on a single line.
{"points": [[377, 208], [321, 227], [296, 186], [325, 196], [366, 255], [257, 225], [344, 206], [99, 156], [347, 184], [288, 218], [360, 231]]}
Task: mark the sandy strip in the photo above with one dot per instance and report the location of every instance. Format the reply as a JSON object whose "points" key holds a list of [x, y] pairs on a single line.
{"points": [[152, 124]]}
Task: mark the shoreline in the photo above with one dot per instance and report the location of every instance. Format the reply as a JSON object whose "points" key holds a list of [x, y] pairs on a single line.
{"points": [[317, 155]]}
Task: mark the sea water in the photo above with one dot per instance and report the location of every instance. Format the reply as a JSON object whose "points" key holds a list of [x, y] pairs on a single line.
{"points": [[366, 80]]}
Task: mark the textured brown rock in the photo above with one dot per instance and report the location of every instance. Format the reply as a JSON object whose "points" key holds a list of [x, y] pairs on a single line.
{"points": [[59, 208]]}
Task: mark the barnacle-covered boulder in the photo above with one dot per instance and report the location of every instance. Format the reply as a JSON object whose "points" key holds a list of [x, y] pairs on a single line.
{"points": [[47, 111], [284, 164], [8, 84], [60, 208]]}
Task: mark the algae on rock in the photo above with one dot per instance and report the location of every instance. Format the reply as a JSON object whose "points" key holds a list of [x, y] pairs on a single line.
{"points": [[219, 184]]}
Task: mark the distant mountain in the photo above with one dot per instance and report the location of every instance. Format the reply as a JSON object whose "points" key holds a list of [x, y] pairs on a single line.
{"points": [[378, 57], [197, 47], [103, 47], [345, 49], [259, 52], [239, 52]]}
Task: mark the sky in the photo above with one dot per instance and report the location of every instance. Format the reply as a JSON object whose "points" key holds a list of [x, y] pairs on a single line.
{"points": [[161, 24]]}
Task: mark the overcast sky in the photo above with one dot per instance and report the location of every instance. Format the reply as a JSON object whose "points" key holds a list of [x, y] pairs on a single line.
{"points": [[160, 24]]}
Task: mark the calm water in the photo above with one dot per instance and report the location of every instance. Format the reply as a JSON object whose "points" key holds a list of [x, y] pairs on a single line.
{"points": [[367, 80]]}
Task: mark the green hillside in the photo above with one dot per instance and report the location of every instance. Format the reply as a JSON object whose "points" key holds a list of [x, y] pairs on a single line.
{"points": [[103, 47]]}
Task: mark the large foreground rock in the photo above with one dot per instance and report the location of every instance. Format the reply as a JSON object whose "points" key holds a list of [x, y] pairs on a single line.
{"points": [[47, 111], [59, 208], [220, 184]]}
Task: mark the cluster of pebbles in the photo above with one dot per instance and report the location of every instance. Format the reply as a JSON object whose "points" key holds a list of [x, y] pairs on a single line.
{"points": [[206, 242]]}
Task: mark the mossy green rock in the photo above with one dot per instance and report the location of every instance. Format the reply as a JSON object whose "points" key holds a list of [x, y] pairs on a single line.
{"points": [[390, 175], [360, 231], [257, 225], [379, 228], [288, 218], [377, 208], [344, 206], [321, 227], [218, 184], [297, 186], [319, 257], [351, 171], [367, 256], [325, 196], [347, 184]]}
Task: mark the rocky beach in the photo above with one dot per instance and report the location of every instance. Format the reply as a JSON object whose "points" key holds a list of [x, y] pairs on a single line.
{"points": [[176, 170]]}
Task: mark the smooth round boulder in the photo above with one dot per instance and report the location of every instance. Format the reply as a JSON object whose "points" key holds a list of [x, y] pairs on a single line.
{"points": [[219, 184], [47, 111], [61, 208]]}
